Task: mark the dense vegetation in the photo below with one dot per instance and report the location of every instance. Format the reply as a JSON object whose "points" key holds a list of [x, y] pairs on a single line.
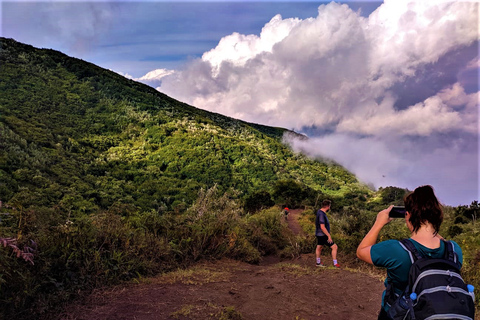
{"points": [[103, 179], [84, 139]]}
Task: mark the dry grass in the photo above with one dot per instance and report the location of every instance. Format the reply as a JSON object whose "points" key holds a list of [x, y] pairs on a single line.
{"points": [[293, 269], [207, 310], [197, 275]]}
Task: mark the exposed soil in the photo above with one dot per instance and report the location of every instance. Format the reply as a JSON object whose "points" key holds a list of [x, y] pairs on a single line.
{"points": [[292, 219], [227, 289]]}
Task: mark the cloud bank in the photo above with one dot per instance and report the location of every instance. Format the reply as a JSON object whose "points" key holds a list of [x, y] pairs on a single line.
{"points": [[384, 95]]}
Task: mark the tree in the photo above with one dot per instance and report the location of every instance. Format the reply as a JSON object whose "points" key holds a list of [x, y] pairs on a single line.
{"points": [[465, 214], [393, 195], [258, 201], [289, 192]]}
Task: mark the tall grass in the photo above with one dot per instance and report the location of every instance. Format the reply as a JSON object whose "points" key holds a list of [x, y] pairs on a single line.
{"points": [[90, 251], [469, 241]]}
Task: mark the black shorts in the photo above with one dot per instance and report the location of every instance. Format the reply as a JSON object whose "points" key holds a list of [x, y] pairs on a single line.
{"points": [[323, 241]]}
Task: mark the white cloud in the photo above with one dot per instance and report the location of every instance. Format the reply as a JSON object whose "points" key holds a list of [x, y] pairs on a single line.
{"points": [[238, 48], [466, 104], [406, 163], [152, 78], [407, 34], [389, 78], [422, 119], [126, 75], [156, 74], [331, 70], [355, 154]]}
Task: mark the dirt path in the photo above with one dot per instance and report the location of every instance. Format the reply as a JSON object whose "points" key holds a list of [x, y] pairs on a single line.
{"points": [[293, 220], [227, 289]]}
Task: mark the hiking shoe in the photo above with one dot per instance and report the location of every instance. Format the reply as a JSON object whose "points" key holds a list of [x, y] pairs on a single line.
{"points": [[320, 265], [336, 265]]}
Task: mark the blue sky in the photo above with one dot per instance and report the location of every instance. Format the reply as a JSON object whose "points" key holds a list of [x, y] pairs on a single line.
{"points": [[387, 89], [137, 37]]}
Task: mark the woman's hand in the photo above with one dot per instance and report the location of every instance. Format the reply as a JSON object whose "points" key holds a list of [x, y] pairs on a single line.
{"points": [[363, 250], [383, 217]]}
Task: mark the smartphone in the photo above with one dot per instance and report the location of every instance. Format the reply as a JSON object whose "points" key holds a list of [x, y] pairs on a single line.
{"points": [[397, 212]]}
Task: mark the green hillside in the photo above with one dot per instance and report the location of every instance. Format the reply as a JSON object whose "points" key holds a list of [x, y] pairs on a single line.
{"points": [[83, 138]]}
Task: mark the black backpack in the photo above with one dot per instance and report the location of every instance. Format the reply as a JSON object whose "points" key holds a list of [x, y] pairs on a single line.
{"points": [[435, 289]]}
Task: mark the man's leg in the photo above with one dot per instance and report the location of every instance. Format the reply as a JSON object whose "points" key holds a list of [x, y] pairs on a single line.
{"points": [[334, 251], [318, 251], [334, 255]]}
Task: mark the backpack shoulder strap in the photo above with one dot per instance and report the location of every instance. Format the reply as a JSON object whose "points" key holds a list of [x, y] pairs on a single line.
{"points": [[408, 246], [450, 253]]}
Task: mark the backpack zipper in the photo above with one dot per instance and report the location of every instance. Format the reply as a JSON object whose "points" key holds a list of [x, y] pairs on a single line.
{"points": [[443, 288], [434, 272]]}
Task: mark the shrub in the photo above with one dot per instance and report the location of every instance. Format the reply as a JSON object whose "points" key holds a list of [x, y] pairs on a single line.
{"points": [[392, 195], [289, 192], [469, 241], [76, 256], [258, 201], [267, 232]]}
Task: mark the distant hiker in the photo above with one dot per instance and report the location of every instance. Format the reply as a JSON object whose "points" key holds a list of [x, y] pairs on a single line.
{"points": [[322, 232], [425, 246], [286, 212]]}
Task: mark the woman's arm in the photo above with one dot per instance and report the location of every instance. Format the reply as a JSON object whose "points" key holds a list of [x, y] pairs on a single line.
{"points": [[363, 250]]}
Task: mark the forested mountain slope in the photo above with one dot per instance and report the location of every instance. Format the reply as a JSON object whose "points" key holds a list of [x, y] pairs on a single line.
{"points": [[82, 138]]}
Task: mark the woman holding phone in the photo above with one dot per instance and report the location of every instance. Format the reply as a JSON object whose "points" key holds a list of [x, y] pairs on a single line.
{"points": [[423, 218]]}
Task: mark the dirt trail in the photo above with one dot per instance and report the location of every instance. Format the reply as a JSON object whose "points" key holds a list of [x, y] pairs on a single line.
{"points": [[293, 220], [228, 289]]}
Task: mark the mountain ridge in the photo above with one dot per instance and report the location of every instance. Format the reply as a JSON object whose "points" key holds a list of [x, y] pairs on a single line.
{"points": [[272, 131], [126, 135]]}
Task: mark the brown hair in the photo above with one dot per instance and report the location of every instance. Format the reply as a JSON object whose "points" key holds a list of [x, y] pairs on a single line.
{"points": [[423, 206], [326, 203]]}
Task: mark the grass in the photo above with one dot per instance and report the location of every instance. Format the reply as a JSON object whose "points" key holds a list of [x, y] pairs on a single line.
{"points": [[207, 310], [197, 275], [293, 269]]}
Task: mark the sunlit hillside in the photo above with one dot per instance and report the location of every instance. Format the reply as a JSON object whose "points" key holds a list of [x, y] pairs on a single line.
{"points": [[82, 138]]}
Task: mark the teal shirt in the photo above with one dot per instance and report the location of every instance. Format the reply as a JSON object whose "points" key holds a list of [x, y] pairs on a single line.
{"points": [[391, 255]]}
